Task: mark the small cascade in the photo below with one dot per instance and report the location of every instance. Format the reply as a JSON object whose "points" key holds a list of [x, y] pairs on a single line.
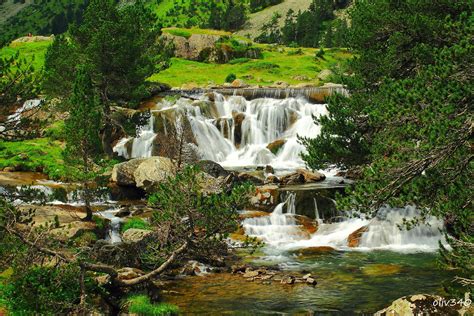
{"points": [[113, 231], [278, 228], [142, 145], [318, 218], [385, 232], [236, 132], [15, 118]]}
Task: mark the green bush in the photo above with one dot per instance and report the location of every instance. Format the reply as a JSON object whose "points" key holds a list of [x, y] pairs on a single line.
{"points": [[239, 61], [41, 154], [320, 53], [230, 78], [179, 32], [262, 65], [56, 131], [41, 290], [135, 222], [99, 221], [141, 305]]}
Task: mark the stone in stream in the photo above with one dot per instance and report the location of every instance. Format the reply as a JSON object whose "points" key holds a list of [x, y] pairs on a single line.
{"points": [[311, 281], [288, 280], [353, 239], [251, 274]]}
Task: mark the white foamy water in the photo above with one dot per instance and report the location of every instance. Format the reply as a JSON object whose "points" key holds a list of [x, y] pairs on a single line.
{"points": [[113, 232], [263, 122], [281, 232]]}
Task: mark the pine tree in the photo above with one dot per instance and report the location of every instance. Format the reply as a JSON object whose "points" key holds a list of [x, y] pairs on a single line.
{"points": [[120, 45], [82, 133]]}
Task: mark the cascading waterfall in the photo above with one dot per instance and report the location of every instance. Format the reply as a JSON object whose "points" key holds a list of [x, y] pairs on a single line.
{"points": [[237, 132], [113, 232], [279, 227], [385, 231]]}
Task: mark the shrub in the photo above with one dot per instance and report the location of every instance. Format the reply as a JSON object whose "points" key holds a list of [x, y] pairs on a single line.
{"points": [[230, 78], [42, 290], [141, 305], [99, 221], [56, 131], [262, 65], [320, 53], [179, 32], [135, 222], [239, 61]]}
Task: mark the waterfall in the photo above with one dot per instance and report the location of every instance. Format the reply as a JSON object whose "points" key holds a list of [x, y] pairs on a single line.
{"points": [[113, 231], [236, 132], [384, 232], [279, 227]]}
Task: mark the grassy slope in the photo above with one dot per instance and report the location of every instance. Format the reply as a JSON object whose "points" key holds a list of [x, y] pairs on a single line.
{"points": [[41, 154], [278, 64], [28, 50], [257, 19]]}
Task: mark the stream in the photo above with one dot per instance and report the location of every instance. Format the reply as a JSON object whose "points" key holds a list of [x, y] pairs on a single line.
{"points": [[386, 263]]}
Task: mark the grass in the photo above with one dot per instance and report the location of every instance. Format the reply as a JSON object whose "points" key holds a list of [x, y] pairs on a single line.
{"points": [[278, 64], [188, 32], [41, 154], [29, 51], [141, 305], [135, 222]]}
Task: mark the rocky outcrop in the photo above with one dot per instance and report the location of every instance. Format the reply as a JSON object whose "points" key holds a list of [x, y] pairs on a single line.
{"points": [[302, 176], [142, 172], [134, 235], [212, 168], [266, 197], [196, 47], [238, 119], [123, 173], [425, 304], [275, 146], [354, 239], [73, 230]]}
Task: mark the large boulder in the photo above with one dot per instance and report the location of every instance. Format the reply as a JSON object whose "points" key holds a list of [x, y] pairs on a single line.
{"points": [[275, 146], [195, 47], [425, 304], [152, 171], [123, 173], [143, 172]]}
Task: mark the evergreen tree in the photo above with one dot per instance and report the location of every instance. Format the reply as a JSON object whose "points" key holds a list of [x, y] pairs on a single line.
{"points": [[407, 125], [121, 46], [82, 133]]}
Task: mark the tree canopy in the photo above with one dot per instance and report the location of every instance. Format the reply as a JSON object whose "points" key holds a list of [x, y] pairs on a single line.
{"points": [[407, 124]]}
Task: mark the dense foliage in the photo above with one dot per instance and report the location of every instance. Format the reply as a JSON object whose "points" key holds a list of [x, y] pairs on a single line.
{"points": [[42, 17], [408, 121], [120, 48], [314, 27], [82, 140]]}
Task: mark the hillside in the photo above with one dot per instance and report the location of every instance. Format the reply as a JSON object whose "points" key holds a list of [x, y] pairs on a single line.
{"points": [[257, 19], [281, 65]]}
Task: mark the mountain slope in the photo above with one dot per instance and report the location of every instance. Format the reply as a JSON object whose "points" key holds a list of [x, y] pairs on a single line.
{"points": [[257, 19]]}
